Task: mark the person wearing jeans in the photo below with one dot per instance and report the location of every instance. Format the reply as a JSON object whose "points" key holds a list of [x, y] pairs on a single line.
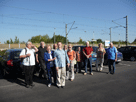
{"points": [[49, 61], [112, 57], [87, 51]]}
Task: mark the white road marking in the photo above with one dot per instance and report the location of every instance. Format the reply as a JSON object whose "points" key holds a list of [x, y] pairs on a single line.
{"points": [[105, 67], [124, 64]]}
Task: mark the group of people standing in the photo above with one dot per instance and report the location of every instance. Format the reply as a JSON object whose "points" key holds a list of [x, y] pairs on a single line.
{"points": [[59, 62]]}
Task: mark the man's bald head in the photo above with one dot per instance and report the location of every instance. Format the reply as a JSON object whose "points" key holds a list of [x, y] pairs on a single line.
{"points": [[111, 44]]}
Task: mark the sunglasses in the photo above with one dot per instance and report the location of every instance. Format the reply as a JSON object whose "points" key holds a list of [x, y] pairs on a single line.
{"points": [[69, 47]]}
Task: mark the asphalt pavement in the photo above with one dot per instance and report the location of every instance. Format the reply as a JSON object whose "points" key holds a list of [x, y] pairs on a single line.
{"points": [[101, 87]]}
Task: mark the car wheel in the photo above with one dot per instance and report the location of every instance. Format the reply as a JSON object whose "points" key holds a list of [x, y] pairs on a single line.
{"points": [[132, 59]]}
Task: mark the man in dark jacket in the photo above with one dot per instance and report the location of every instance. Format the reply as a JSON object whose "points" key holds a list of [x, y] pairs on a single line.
{"points": [[40, 59]]}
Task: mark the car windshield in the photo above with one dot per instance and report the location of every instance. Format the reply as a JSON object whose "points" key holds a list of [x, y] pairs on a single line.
{"points": [[16, 54], [94, 49]]}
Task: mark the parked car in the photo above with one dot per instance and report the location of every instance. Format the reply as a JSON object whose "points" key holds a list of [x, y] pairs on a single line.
{"points": [[129, 52], [94, 56], [11, 63], [119, 57]]}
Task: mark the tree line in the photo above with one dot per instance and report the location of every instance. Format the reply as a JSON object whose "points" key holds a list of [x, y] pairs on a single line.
{"points": [[59, 38]]}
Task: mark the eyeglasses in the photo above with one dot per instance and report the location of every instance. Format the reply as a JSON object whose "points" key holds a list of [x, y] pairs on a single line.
{"points": [[69, 47]]}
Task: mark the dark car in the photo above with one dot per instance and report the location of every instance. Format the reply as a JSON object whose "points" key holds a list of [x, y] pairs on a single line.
{"points": [[129, 52], [94, 56], [119, 57], [11, 63]]}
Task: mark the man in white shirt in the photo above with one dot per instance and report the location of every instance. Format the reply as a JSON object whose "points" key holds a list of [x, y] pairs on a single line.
{"points": [[28, 62]]}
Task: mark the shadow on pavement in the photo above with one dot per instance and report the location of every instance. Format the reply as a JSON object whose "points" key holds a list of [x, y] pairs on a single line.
{"points": [[20, 79]]}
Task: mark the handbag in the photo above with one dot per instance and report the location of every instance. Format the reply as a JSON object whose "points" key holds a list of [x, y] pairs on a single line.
{"points": [[74, 61]]}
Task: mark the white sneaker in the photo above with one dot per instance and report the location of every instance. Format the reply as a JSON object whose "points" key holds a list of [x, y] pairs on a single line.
{"points": [[100, 69], [49, 85], [91, 73]]}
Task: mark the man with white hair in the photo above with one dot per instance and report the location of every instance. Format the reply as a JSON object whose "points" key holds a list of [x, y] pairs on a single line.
{"points": [[87, 51], [40, 59], [28, 62], [112, 57]]}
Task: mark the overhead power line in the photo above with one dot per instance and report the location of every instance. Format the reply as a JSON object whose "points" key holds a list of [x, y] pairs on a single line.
{"points": [[32, 19], [55, 13], [30, 25]]}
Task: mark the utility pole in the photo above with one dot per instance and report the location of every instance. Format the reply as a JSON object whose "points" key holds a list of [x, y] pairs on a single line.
{"points": [[66, 33], [119, 40], [126, 31], [54, 35], [110, 34], [93, 37]]}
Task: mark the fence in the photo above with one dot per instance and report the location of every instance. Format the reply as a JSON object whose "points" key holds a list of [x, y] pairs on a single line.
{"points": [[12, 46]]}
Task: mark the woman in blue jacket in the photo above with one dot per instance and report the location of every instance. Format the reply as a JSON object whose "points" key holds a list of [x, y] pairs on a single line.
{"points": [[49, 62]]}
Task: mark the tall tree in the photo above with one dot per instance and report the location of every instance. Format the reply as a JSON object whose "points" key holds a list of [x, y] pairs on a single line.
{"points": [[16, 41], [80, 41], [134, 42], [39, 38], [11, 41], [99, 40], [7, 42], [59, 38]]}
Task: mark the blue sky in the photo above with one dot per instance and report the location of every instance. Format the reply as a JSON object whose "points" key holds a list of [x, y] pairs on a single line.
{"points": [[27, 18]]}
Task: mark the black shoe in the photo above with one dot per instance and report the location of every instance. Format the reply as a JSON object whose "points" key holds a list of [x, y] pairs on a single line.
{"points": [[40, 76], [112, 73], [62, 87], [27, 86], [58, 87], [32, 85], [108, 73]]}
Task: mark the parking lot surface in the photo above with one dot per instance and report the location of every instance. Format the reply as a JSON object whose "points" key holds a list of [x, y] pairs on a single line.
{"points": [[101, 87]]}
